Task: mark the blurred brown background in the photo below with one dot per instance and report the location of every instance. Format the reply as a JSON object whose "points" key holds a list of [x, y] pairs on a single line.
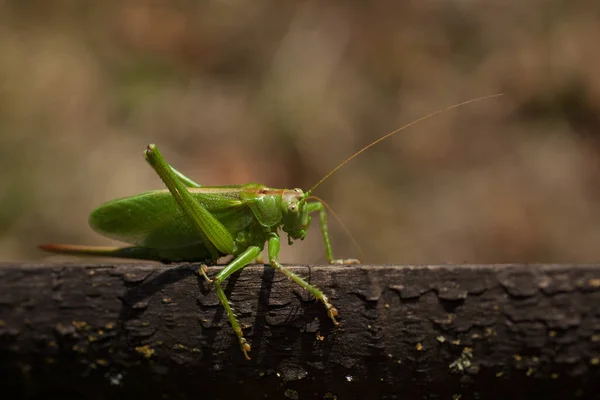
{"points": [[281, 92]]}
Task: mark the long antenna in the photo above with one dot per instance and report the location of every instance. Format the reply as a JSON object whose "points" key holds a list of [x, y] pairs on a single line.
{"points": [[398, 130]]}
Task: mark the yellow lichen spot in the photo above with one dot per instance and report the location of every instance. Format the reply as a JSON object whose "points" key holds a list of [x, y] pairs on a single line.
{"points": [[146, 351], [440, 339], [456, 342], [419, 347], [79, 325], [179, 346], [529, 371], [554, 375], [535, 360], [100, 332], [320, 337], [92, 338], [517, 357], [595, 361], [145, 323], [167, 300], [463, 362], [78, 348], [456, 396], [92, 273], [102, 361], [475, 336], [595, 283], [499, 374], [552, 333], [387, 306], [109, 325], [490, 332]]}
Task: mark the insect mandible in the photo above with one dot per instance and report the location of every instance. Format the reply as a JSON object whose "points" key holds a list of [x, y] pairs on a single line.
{"points": [[194, 223]]}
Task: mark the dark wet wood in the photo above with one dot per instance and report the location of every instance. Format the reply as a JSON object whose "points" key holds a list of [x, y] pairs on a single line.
{"points": [[133, 330]]}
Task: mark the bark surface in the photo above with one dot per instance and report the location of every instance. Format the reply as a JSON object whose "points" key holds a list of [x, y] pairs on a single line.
{"points": [[406, 332]]}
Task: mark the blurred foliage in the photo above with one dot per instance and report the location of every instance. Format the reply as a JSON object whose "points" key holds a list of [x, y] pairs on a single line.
{"points": [[281, 92]]}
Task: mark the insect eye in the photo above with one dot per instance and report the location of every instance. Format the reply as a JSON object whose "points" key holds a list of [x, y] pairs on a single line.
{"points": [[297, 190], [292, 207]]}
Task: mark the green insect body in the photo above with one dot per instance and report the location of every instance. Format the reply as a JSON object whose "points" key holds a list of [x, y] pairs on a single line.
{"points": [[189, 222], [193, 223]]}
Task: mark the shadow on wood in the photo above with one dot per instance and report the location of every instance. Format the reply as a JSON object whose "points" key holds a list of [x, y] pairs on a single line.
{"points": [[406, 332]]}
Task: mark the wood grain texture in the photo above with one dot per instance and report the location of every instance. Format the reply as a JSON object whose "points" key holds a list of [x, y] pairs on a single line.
{"points": [[409, 332]]}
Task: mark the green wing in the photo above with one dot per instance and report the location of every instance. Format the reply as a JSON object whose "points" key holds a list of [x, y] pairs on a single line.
{"points": [[153, 219]]}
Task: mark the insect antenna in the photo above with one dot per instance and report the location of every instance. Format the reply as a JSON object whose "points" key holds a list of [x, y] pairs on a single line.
{"points": [[398, 130], [339, 220]]}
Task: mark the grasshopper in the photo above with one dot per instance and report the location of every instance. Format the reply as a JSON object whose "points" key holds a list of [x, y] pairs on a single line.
{"points": [[189, 222]]}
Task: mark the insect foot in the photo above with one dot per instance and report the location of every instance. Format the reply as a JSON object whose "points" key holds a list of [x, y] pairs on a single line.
{"points": [[332, 312], [346, 261], [202, 270], [245, 348]]}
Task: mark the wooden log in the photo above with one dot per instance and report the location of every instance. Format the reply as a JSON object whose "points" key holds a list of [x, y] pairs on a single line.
{"points": [[406, 332]]}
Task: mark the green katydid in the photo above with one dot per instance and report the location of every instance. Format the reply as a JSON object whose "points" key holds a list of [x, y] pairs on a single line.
{"points": [[194, 223]]}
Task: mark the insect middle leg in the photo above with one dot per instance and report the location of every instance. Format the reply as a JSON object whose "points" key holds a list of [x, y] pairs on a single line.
{"points": [[238, 263], [273, 251]]}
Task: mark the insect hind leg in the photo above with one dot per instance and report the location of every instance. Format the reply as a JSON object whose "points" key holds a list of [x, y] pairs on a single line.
{"points": [[185, 180]]}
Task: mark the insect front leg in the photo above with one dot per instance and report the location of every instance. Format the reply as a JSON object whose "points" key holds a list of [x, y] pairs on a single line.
{"points": [[273, 251], [238, 263], [318, 206]]}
